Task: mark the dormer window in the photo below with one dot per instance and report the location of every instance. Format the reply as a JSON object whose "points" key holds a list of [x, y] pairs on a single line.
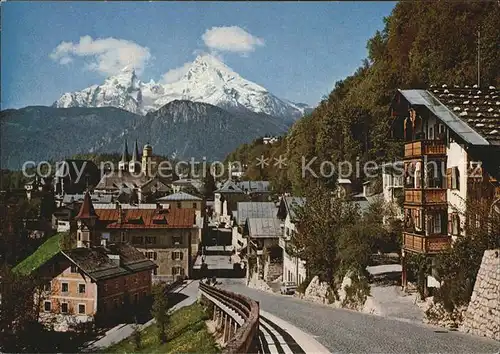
{"points": [[135, 220]]}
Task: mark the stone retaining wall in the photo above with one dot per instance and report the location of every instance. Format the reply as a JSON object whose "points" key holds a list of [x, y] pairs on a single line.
{"points": [[483, 313]]}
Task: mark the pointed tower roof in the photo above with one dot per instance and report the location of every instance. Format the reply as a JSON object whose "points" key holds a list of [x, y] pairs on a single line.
{"points": [[87, 210], [125, 155], [135, 152]]}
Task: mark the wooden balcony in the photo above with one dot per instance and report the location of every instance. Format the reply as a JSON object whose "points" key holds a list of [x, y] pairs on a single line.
{"points": [[422, 244], [425, 147], [425, 196]]}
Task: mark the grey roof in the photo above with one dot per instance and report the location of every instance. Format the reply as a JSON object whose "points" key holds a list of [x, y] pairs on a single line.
{"points": [[123, 179], [365, 202], [96, 198], [246, 210], [292, 203], [459, 126], [229, 187], [477, 107], [264, 227], [179, 196], [125, 155], [135, 153], [344, 181], [96, 263], [255, 186]]}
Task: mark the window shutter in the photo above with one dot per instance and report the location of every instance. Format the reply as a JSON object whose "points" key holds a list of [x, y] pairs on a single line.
{"points": [[154, 255], [181, 255], [173, 255], [448, 178], [450, 222]]}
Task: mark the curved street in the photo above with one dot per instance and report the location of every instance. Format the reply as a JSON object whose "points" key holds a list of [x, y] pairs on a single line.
{"points": [[341, 330]]}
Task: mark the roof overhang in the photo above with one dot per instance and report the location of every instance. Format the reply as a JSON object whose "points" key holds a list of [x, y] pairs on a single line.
{"points": [[457, 125]]}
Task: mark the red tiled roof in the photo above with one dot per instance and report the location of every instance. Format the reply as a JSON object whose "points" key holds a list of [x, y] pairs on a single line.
{"points": [[176, 218], [87, 210]]}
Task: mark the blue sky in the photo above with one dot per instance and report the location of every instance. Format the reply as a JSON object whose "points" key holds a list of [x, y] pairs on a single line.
{"points": [[299, 50]]}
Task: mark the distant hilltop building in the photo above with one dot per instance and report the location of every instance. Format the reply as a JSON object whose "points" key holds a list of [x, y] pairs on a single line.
{"points": [[270, 139]]}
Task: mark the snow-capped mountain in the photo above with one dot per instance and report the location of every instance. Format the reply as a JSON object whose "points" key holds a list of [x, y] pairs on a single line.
{"points": [[207, 80], [122, 91]]}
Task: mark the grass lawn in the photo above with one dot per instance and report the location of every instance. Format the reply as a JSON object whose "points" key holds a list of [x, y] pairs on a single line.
{"points": [[43, 253], [186, 333]]}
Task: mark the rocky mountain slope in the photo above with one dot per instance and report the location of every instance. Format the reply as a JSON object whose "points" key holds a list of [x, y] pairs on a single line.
{"points": [[207, 80], [189, 129]]}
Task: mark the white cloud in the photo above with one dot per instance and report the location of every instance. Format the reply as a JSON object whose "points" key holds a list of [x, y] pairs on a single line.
{"points": [[176, 74], [231, 39], [108, 55]]}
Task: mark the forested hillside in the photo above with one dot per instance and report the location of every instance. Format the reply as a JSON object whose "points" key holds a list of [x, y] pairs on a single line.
{"points": [[422, 43]]}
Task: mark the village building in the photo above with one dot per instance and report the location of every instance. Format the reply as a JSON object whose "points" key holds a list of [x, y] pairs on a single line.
{"points": [[75, 176], [93, 282], [187, 185], [136, 179], [168, 237], [294, 269], [451, 154]]}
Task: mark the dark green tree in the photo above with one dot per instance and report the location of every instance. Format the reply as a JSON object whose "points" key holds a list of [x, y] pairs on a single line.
{"points": [[160, 311]]}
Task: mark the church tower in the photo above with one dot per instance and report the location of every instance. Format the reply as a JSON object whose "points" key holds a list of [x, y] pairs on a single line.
{"points": [[134, 165], [123, 164], [147, 154], [86, 220]]}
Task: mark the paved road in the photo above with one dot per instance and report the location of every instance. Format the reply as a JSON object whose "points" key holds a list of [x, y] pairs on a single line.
{"points": [[342, 330]]}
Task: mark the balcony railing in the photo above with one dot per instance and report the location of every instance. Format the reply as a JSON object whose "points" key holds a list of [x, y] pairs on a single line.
{"points": [[425, 147], [422, 244], [425, 196]]}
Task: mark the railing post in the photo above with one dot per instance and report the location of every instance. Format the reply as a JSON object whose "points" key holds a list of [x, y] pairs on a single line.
{"points": [[226, 329]]}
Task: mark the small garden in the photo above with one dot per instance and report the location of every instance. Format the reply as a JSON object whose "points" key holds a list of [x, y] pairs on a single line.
{"points": [[186, 332]]}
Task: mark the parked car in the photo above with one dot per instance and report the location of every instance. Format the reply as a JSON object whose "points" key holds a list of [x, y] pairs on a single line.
{"points": [[288, 288]]}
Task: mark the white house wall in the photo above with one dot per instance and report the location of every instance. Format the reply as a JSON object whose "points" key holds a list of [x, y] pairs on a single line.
{"points": [[457, 157]]}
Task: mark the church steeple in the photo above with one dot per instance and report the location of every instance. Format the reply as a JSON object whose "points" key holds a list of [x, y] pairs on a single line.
{"points": [[134, 165], [123, 164], [86, 220]]}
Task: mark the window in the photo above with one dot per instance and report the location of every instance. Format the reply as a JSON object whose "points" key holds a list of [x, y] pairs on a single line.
{"points": [[81, 288], [47, 286], [195, 205], [177, 256], [47, 306], [177, 271], [74, 269], [64, 307], [155, 271], [431, 133], [151, 255], [150, 240], [123, 236], [81, 309], [137, 240], [453, 178], [179, 205], [434, 224], [455, 224], [105, 287], [64, 287], [177, 240], [418, 174], [418, 219]]}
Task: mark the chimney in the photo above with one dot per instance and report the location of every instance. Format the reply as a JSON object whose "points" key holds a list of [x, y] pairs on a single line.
{"points": [[120, 213]]}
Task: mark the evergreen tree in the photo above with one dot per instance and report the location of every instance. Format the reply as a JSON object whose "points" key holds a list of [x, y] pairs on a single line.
{"points": [[160, 311]]}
